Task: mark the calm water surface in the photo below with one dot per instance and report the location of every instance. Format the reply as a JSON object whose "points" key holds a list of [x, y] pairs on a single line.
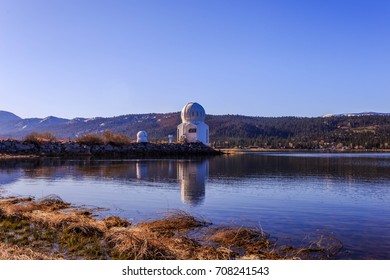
{"points": [[291, 196]]}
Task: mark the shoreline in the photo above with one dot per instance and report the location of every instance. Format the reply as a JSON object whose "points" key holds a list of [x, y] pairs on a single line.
{"points": [[313, 151], [51, 229], [17, 149], [23, 149]]}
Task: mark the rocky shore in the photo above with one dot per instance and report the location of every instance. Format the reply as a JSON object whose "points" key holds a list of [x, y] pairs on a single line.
{"points": [[72, 149]]}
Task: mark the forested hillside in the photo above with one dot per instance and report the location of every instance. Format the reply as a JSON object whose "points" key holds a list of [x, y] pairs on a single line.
{"points": [[341, 132]]}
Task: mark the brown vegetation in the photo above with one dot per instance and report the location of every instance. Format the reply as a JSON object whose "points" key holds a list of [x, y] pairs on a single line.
{"points": [[107, 137], [36, 137], [90, 139], [115, 138], [52, 229]]}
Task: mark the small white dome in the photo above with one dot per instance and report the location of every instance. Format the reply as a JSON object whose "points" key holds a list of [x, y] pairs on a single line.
{"points": [[193, 112], [142, 137], [142, 134]]}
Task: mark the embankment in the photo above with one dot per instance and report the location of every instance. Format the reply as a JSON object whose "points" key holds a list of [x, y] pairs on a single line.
{"points": [[73, 149]]}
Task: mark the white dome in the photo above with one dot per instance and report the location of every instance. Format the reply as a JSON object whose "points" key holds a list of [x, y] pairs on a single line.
{"points": [[142, 134], [193, 112], [142, 137]]}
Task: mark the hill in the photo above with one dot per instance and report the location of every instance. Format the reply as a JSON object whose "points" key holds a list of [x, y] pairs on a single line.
{"points": [[344, 131], [7, 116]]}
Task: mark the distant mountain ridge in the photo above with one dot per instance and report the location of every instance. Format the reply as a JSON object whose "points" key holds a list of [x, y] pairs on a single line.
{"points": [[356, 114], [363, 130], [8, 116], [12, 126]]}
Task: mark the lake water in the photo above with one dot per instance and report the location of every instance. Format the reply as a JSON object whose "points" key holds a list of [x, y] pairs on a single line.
{"points": [[289, 195]]}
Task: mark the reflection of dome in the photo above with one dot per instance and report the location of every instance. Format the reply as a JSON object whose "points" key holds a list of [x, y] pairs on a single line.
{"points": [[142, 136], [193, 112]]}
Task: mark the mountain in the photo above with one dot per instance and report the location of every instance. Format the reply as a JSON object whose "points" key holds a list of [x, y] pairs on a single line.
{"points": [[160, 124], [346, 131], [356, 114], [7, 116]]}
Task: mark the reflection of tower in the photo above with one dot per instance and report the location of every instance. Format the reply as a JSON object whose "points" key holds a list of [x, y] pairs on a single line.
{"points": [[141, 169], [192, 177]]}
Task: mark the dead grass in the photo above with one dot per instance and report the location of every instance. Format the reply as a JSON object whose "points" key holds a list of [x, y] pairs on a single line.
{"points": [[174, 222], [242, 240], [135, 245], [49, 228], [115, 221], [319, 245], [13, 252]]}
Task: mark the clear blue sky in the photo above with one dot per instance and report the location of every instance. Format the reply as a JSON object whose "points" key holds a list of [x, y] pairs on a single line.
{"points": [[78, 58]]}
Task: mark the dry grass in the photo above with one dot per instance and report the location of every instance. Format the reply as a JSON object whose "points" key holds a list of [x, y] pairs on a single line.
{"points": [[174, 222], [13, 252], [49, 228], [114, 221], [246, 241], [135, 245], [320, 245]]}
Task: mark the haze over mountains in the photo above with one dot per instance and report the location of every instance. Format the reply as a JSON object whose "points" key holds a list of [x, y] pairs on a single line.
{"points": [[366, 130]]}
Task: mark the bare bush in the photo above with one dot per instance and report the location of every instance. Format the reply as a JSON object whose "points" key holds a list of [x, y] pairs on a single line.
{"points": [[116, 139], [90, 139], [37, 137]]}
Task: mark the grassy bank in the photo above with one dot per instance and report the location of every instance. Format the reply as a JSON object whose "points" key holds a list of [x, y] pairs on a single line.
{"points": [[49, 228]]}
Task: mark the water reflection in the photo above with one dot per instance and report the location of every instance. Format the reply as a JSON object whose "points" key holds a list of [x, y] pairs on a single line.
{"points": [[345, 166], [288, 195], [192, 177], [141, 170]]}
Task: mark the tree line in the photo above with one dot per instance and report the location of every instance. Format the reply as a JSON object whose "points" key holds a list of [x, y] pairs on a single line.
{"points": [[341, 132]]}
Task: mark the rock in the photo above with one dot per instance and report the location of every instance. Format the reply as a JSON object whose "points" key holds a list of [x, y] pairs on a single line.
{"points": [[13, 147]]}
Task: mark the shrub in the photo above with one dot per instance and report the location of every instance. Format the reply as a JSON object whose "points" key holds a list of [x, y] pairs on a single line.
{"points": [[90, 139], [116, 139], [108, 137], [36, 137]]}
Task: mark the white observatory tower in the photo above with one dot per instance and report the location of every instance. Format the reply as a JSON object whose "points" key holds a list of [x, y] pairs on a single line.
{"points": [[193, 128]]}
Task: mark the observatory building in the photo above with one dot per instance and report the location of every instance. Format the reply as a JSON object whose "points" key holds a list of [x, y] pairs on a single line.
{"points": [[193, 127], [142, 137]]}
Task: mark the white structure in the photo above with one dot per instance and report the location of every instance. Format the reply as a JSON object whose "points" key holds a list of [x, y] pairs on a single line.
{"points": [[142, 137], [193, 127], [170, 138]]}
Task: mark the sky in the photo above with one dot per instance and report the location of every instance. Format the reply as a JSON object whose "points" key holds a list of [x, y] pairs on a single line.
{"points": [[88, 58]]}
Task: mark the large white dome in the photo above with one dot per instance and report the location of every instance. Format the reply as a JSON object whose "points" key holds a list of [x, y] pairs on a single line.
{"points": [[193, 112]]}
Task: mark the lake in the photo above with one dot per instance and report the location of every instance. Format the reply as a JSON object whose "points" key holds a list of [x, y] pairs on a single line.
{"points": [[291, 196]]}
